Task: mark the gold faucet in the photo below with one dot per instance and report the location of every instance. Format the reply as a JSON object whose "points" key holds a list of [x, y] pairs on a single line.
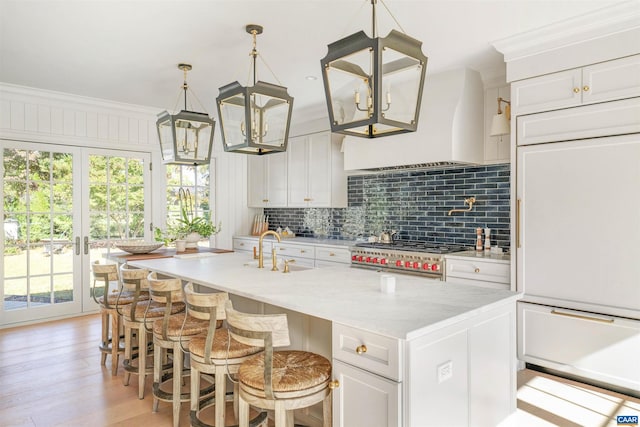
{"points": [[470, 201], [260, 252]]}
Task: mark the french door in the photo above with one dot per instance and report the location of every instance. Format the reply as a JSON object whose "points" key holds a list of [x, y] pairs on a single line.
{"points": [[63, 207]]}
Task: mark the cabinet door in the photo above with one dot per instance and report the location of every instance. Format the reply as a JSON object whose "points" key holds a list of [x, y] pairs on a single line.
{"points": [[364, 399], [579, 228], [298, 172], [611, 80], [277, 179], [550, 92], [257, 196], [319, 169]]}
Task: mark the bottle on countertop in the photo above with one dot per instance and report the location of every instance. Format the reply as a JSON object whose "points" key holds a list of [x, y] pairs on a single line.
{"points": [[487, 239], [478, 239]]}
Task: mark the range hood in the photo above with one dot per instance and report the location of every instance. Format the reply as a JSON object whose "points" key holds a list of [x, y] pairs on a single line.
{"points": [[450, 130]]}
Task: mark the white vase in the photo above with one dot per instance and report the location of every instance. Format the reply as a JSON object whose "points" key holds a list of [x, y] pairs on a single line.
{"points": [[192, 240]]}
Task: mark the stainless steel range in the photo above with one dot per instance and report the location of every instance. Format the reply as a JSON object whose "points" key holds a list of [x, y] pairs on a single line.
{"points": [[403, 256]]}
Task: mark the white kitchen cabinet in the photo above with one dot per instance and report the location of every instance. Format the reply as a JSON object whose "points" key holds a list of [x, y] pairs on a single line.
{"points": [[249, 245], [481, 271], [601, 348], [578, 224], [364, 399], [327, 256], [497, 149], [316, 172], [606, 81], [267, 181], [303, 255]]}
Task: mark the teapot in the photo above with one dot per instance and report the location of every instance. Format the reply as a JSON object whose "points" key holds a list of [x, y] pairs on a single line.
{"points": [[387, 236]]}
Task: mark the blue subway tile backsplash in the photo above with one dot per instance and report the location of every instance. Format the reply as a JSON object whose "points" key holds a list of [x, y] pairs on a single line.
{"points": [[415, 204]]}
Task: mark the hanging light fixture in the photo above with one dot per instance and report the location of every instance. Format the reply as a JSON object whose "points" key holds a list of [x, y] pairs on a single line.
{"points": [[186, 138], [373, 86], [255, 119], [500, 124]]}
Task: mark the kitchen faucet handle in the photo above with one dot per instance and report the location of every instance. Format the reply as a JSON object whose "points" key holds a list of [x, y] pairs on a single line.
{"points": [[286, 265]]}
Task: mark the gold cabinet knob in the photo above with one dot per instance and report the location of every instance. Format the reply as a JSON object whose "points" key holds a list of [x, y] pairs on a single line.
{"points": [[334, 384], [576, 90], [361, 349], [265, 200], [332, 254], [586, 88], [477, 270]]}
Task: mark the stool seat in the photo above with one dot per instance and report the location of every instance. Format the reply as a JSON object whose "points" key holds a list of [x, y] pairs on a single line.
{"points": [[155, 310], [293, 371], [192, 326], [123, 298], [219, 347]]}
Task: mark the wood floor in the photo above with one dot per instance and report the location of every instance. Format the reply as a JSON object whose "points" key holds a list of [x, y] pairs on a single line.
{"points": [[50, 375]]}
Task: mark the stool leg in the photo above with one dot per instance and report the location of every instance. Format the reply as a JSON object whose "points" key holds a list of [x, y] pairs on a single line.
{"points": [[195, 389], [327, 411], [280, 418], [127, 351], [177, 382], [157, 372], [115, 342], [142, 359], [221, 391], [244, 412], [105, 335]]}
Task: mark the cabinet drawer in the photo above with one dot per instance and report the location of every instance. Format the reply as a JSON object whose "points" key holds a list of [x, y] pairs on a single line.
{"points": [[478, 270], [247, 245], [589, 121], [298, 251], [371, 352], [598, 347], [341, 255]]}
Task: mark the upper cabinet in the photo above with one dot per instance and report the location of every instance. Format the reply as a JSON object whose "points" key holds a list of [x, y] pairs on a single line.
{"points": [[267, 181], [310, 174], [316, 172], [605, 81]]}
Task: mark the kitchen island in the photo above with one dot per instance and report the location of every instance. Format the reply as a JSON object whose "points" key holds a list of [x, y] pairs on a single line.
{"points": [[427, 354]]}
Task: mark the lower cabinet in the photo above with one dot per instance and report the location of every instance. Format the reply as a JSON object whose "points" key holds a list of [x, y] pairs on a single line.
{"points": [[600, 348], [480, 272], [364, 399]]}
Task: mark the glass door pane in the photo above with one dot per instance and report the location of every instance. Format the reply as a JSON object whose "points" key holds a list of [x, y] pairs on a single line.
{"points": [[39, 192], [117, 204]]}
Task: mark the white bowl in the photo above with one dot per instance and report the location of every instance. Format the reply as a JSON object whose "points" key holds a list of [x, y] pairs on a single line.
{"points": [[138, 247]]}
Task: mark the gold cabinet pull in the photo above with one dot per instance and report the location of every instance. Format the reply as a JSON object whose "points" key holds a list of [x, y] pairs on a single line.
{"points": [[518, 223], [332, 254], [334, 384], [586, 88], [265, 200], [302, 251], [576, 90], [477, 270], [361, 349], [580, 316]]}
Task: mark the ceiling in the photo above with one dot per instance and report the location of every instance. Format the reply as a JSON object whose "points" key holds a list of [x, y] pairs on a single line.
{"points": [[128, 51]]}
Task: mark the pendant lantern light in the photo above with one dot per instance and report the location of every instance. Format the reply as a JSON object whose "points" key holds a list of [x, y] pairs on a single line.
{"points": [[373, 86], [254, 119], [185, 138]]}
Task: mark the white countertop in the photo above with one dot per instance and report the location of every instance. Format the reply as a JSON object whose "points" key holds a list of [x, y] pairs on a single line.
{"points": [[350, 296], [480, 255]]}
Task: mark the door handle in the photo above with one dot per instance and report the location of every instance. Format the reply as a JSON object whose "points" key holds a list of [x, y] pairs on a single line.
{"points": [[517, 223], [77, 245], [86, 245]]}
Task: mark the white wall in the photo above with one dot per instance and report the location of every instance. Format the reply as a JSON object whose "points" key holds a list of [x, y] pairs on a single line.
{"points": [[34, 115]]}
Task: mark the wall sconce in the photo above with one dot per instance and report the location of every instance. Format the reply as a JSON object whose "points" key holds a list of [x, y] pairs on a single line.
{"points": [[500, 123]]}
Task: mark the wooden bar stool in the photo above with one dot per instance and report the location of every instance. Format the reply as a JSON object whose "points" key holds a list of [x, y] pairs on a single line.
{"points": [[215, 353], [141, 311], [173, 331], [112, 300], [278, 380]]}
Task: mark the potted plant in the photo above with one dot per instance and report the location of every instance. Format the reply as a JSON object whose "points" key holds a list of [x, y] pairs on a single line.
{"points": [[188, 226]]}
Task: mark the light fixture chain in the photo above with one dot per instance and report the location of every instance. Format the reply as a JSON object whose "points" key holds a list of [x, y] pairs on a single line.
{"points": [[269, 68], [198, 99], [393, 17], [353, 17]]}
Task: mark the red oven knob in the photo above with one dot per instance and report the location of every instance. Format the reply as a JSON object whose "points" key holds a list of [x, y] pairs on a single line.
{"points": [[368, 259], [426, 266], [435, 267], [398, 263], [407, 264], [383, 261], [416, 264], [354, 257], [375, 260], [360, 258]]}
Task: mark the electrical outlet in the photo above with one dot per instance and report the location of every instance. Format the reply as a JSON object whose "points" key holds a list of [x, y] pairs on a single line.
{"points": [[445, 371]]}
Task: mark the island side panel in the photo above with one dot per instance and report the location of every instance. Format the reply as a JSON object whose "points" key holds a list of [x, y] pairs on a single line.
{"points": [[465, 373]]}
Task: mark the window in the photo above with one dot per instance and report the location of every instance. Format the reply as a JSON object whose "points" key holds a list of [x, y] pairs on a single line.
{"points": [[196, 181]]}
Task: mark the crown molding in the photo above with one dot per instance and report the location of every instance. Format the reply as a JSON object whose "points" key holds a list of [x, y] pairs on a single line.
{"points": [[600, 23]]}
